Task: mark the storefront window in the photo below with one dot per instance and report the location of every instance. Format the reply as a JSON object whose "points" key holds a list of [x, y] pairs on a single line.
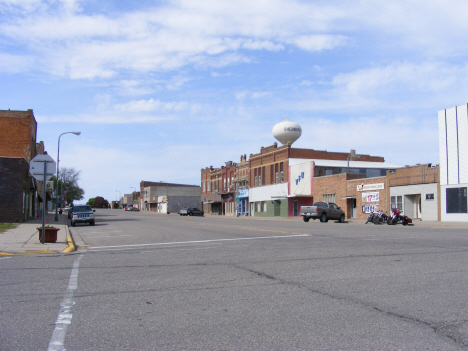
{"points": [[396, 202]]}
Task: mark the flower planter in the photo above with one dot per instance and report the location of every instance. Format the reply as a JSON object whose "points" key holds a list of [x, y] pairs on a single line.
{"points": [[50, 234]]}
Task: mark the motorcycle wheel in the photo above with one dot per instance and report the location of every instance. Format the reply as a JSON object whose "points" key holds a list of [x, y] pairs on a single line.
{"points": [[389, 221], [405, 222]]}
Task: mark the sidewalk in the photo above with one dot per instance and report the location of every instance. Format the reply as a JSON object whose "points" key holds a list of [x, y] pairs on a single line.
{"points": [[24, 239]]}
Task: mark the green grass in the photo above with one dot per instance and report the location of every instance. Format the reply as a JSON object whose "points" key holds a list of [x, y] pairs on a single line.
{"points": [[6, 226]]}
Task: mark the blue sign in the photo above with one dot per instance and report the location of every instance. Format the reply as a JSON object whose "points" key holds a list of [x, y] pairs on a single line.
{"points": [[243, 193]]}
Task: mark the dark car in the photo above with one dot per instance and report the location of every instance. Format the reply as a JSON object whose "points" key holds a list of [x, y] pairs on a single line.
{"points": [[134, 209], [81, 214], [193, 211]]}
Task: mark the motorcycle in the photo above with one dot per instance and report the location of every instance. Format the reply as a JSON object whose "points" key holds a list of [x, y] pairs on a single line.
{"points": [[377, 217], [370, 218], [398, 217], [380, 218]]}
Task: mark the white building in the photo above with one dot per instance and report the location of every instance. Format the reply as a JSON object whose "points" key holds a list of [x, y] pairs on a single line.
{"points": [[453, 154]]}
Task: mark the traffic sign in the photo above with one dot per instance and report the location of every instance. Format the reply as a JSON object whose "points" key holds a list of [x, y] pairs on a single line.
{"points": [[36, 167]]}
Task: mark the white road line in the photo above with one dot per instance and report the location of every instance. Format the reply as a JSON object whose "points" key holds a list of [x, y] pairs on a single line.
{"points": [[66, 311], [111, 236], [194, 242]]}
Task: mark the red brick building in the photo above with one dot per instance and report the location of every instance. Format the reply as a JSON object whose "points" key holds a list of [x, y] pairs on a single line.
{"points": [[18, 196]]}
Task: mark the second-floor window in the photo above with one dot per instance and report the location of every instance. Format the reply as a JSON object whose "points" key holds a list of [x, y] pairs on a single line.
{"points": [[203, 186], [208, 185]]}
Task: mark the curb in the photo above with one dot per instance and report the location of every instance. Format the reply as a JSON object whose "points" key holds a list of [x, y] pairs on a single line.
{"points": [[71, 243]]}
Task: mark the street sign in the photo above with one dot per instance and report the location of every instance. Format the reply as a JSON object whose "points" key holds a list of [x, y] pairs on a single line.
{"points": [[49, 185], [36, 167]]}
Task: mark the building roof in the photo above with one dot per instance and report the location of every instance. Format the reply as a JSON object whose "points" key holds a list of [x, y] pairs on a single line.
{"points": [[339, 163]]}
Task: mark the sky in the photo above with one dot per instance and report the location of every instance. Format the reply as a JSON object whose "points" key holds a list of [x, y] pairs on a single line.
{"points": [[161, 89]]}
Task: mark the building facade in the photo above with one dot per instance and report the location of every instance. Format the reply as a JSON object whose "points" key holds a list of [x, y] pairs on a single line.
{"points": [[225, 190], [168, 197], [19, 197], [283, 178], [453, 154]]}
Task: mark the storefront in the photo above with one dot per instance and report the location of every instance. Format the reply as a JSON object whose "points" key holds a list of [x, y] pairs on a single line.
{"points": [[242, 202], [269, 201]]}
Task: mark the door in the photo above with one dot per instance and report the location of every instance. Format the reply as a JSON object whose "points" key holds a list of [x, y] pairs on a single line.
{"points": [[295, 208], [276, 208], [353, 208]]}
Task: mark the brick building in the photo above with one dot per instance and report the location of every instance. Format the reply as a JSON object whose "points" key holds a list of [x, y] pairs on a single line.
{"points": [[225, 190], [278, 180], [411, 189], [282, 179], [18, 195]]}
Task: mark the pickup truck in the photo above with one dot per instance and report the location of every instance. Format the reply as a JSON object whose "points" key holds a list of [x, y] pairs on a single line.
{"points": [[322, 210]]}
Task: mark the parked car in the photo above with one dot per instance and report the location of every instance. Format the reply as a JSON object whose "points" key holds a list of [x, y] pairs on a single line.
{"points": [[81, 214], [134, 209], [66, 208], [193, 211], [182, 212], [128, 208], [322, 210]]}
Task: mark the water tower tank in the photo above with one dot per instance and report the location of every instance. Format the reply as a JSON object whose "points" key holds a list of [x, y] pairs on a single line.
{"points": [[287, 132]]}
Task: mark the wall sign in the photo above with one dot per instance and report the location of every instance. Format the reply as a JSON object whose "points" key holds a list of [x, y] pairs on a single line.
{"points": [[364, 187]]}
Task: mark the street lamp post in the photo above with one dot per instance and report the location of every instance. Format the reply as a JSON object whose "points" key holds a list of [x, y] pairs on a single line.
{"points": [[56, 181]]}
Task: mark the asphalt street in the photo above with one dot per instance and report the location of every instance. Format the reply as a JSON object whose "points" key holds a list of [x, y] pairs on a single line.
{"points": [[145, 281]]}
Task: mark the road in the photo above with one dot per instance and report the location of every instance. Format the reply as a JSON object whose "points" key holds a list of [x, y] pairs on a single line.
{"points": [[162, 282]]}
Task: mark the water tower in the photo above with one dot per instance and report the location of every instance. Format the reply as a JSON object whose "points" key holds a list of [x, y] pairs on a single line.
{"points": [[287, 132]]}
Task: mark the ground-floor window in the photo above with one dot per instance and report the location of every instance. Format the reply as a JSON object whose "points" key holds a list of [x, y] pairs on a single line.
{"points": [[261, 206], [396, 202], [456, 200]]}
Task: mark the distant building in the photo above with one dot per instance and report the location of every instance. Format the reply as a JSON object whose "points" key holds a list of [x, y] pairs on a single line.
{"points": [[168, 197], [453, 153]]}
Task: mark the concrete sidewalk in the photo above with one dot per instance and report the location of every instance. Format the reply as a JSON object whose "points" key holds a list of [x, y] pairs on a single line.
{"points": [[24, 239]]}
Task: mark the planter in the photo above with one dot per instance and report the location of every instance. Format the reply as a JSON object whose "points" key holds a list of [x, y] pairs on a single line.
{"points": [[50, 234]]}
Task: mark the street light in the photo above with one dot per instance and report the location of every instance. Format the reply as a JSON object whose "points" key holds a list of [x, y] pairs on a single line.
{"points": [[56, 181]]}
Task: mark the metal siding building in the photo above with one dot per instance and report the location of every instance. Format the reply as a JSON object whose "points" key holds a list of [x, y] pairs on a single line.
{"points": [[453, 153]]}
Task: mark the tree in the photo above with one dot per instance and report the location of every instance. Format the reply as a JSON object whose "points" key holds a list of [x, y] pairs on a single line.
{"points": [[68, 184], [100, 202]]}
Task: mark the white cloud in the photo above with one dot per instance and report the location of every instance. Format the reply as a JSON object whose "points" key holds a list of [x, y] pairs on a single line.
{"points": [[150, 105], [319, 42], [15, 63], [175, 35]]}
